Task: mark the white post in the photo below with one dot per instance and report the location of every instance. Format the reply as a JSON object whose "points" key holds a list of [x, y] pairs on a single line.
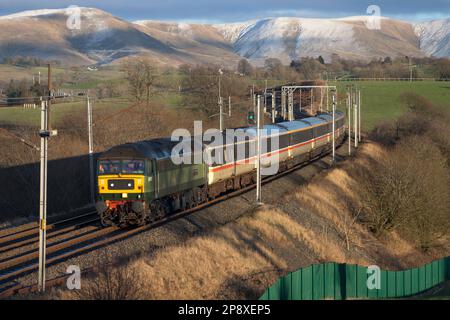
{"points": [[273, 106], [258, 152], [220, 74], [265, 97], [355, 123], [290, 105], [300, 100], [359, 115], [229, 106], [328, 93], [349, 110], [43, 196], [91, 149], [337, 98], [321, 99], [220, 114], [334, 130], [254, 97]]}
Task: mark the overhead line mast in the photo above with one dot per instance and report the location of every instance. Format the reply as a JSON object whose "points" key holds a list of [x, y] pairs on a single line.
{"points": [[44, 133]]}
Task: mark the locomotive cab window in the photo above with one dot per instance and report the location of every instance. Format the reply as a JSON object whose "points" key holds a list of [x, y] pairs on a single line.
{"points": [[133, 167], [121, 167], [109, 167]]}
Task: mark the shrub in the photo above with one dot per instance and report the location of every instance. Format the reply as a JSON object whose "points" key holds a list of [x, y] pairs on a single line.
{"points": [[112, 282], [409, 192]]}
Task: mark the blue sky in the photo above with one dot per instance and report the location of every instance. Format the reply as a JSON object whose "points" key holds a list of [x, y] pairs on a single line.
{"points": [[239, 10]]}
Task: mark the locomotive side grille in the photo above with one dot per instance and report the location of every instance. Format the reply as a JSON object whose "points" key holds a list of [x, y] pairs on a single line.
{"points": [[122, 184]]}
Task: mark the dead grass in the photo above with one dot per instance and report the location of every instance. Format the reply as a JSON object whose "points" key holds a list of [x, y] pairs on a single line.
{"points": [[312, 224]]}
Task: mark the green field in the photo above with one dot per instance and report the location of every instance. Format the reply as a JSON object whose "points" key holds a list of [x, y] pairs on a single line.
{"points": [[31, 117], [381, 99]]}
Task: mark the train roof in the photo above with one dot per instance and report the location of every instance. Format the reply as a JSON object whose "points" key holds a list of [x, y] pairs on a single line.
{"points": [[314, 121], [161, 148], [268, 129], [155, 149], [294, 125]]}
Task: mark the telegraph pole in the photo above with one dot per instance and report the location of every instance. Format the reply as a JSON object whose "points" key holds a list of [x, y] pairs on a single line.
{"points": [[328, 93], [220, 114], [290, 105], [273, 106], [355, 116], [43, 195], [410, 70], [258, 152], [300, 101], [265, 96], [334, 129], [44, 133], [220, 76], [359, 115], [355, 120], [91, 148], [253, 97], [50, 90], [349, 111], [220, 103]]}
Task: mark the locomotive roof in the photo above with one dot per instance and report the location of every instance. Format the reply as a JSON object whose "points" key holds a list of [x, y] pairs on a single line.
{"points": [[155, 149]]}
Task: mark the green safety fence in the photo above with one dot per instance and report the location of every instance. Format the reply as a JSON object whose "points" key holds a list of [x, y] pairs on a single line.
{"points": [[341, 281]]}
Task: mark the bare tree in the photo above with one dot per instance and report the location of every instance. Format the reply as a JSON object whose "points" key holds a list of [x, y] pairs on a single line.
{"points": [[408, 192], [244, 67], [141, 75], [202, 87], [112, 281]]}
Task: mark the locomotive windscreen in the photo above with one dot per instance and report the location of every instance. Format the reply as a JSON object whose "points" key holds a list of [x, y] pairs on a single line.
{"points": [[121, 167]]}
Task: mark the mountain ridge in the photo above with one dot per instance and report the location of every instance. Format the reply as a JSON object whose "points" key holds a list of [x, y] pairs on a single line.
{"points": [[105, 38]]}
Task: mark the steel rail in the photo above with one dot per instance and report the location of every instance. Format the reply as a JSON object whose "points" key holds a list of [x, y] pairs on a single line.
{"points": [[53, 234], [123, 233], [34, 228]]}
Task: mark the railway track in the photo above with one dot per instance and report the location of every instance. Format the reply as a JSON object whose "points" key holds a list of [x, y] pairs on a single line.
{"points": [[19, 246], [15, 233], [67, 245]]}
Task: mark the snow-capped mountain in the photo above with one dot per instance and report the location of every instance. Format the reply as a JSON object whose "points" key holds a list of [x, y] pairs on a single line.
{"points": [[291, 38], [434, 37], [104, 38]]}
